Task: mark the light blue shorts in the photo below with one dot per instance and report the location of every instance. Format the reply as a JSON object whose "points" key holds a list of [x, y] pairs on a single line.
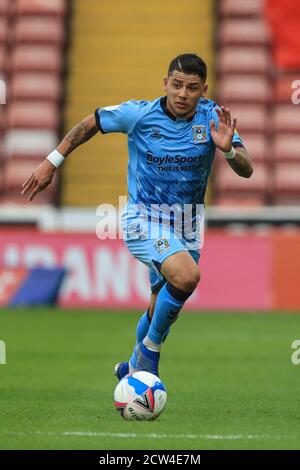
{"points": [[153, 253]]}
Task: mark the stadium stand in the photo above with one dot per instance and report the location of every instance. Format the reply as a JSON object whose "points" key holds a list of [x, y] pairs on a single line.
{"points": [[32, 41], [259, 94], [244, 85], [283, 19]]}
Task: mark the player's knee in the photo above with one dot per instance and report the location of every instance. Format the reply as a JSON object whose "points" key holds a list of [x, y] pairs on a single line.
{"points": [[187, 280], [190, 283]]}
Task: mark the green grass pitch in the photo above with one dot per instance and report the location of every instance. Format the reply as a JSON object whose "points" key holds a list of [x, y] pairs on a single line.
{"points": [[230, 381]]}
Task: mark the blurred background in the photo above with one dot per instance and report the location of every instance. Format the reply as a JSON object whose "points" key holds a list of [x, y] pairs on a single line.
{"points": [[60, 60]]}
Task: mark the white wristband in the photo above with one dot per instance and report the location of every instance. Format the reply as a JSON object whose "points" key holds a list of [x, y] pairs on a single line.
{"points": [[56, 158], [231, 154]]}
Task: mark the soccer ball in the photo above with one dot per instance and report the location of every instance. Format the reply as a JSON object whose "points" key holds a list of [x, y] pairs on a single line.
{"points": [[140, 396]]}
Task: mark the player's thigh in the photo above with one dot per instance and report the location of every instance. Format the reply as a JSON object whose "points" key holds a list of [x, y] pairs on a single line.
{"points": [[153, 253], [181, 270]]}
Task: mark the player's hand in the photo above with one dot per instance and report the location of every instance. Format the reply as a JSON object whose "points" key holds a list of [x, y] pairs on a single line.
{"points": [[39, 180], [223, 136]]}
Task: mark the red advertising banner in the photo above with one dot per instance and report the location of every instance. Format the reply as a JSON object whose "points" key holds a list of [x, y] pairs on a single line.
{"points": [[238, 272], [286, 272]]}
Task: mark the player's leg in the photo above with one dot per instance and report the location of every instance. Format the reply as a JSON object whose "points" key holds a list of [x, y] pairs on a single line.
{"points": [[122, 368], [182, 275], [156, 283], [140, 249], [145, 319], [155, 253]]}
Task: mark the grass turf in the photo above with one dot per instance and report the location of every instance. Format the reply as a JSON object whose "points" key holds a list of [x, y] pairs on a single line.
{"points": [[230, 380]]}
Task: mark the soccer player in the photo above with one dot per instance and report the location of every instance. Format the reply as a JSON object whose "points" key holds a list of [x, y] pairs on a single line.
{"points": [[171, 144]]}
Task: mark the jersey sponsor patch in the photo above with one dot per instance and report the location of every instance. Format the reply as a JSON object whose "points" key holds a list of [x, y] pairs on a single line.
{"points": [[199, 133]]}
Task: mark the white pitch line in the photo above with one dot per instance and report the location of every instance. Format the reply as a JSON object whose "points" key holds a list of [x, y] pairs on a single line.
{"points": [[152, 435]]}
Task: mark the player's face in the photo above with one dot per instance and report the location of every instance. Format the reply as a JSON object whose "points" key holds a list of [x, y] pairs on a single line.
{"points": [[183, 93]]}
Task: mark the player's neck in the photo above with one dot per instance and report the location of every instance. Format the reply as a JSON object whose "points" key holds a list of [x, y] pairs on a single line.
{"points": [[187, 116]]}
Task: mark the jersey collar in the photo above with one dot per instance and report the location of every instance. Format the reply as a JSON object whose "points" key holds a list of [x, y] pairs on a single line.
{"points": [[163, 104]]}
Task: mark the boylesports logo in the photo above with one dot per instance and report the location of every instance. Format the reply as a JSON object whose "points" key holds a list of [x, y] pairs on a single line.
{"points": [[177, 159]]}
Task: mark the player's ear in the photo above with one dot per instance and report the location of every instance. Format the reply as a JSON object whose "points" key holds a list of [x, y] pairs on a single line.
{"points": [[165, 83], [205, 88]]}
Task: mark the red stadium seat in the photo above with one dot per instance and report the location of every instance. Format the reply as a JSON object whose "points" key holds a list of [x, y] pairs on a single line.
{"points": [[287, 118], [242, 88], [39, 30], [250, 118], [287, 147], [32, 115], [4, 7], [250, 60], [227, 181], [40, 7], [246, 32], [283, 89], [257, 146], [241, 7], [22, 143], [287, 177], [35, 86], [36, 58], [3, 30]]}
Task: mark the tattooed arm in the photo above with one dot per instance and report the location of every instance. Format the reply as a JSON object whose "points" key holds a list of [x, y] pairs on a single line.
{"points": [[81, 133], [43, 174]]}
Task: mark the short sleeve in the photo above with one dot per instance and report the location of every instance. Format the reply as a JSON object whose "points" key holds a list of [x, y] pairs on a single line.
{"points": [[120, 118], [236, 140]]}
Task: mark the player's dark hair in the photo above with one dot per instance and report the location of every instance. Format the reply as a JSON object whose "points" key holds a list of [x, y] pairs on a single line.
{"points": [[190, 64]]}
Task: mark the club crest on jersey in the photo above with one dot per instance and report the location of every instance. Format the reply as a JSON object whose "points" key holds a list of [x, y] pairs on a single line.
{"points": [[161, 245], [199, 133]]}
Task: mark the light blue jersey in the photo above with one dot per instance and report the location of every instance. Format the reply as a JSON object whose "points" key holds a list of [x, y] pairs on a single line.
{"points": [[170, 161]]}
